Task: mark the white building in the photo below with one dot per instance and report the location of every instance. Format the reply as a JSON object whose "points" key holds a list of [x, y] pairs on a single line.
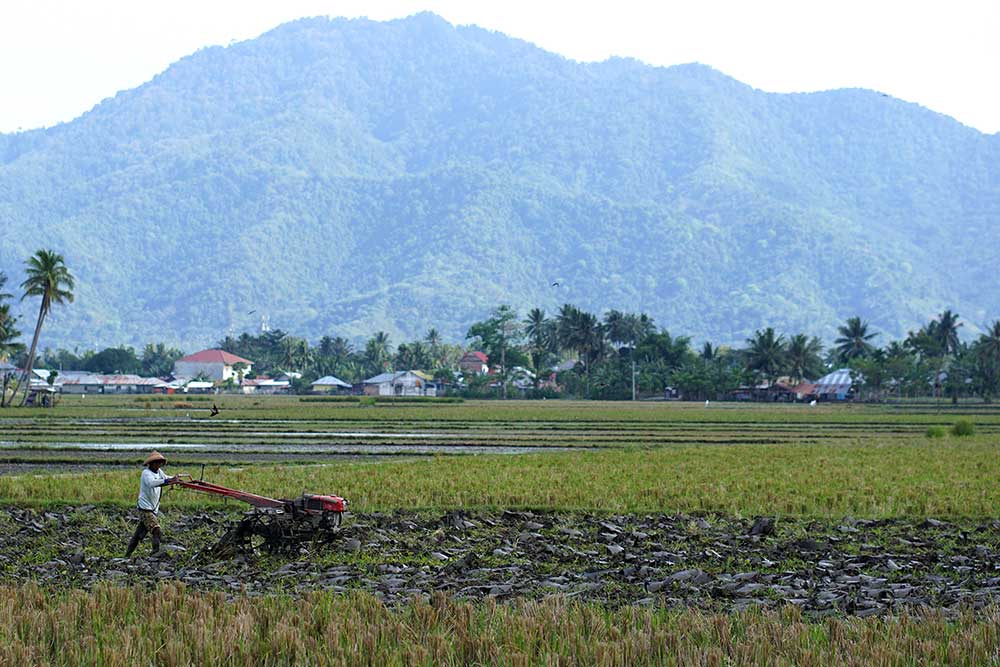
{"points": [[214, 364], [401, 383]]}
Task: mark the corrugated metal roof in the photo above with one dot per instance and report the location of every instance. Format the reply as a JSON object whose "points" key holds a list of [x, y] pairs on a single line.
{"points": [[109, 380], [837, 382], [381, 377], [330, 381]]}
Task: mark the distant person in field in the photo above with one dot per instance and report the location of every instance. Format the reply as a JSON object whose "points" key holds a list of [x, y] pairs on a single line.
{"points": [[151, 484]]}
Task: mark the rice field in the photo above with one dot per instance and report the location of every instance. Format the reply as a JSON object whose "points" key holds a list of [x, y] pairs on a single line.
{"points": [[171, 626], [823, 463]]}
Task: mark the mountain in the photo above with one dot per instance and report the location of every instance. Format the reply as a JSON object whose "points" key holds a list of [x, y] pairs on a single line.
{"points": [[345, 176]]}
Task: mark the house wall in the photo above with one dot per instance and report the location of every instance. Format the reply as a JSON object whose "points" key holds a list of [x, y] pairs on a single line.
{"points": [[214, 371]]}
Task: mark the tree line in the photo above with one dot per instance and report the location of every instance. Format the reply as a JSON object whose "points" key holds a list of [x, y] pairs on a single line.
{"points": [[616, 355]]}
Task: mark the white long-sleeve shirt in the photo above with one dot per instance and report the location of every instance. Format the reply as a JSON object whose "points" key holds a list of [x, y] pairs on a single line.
{"points": [[149, 489]]}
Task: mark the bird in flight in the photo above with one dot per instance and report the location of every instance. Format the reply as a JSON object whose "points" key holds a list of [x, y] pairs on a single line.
{"points": [[215, 410], [555, 284], [251, 312]]}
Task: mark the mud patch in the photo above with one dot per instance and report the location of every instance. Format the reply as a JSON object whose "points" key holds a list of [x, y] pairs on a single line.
{"points": [[853, 567]]}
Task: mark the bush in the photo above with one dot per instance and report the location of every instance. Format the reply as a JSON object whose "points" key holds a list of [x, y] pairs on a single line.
{"points": [[962, 428], [366, 401], [935, 432]]}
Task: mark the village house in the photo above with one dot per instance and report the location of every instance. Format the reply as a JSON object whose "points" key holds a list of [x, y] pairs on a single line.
{"points": [[216, 365], [835, 386], [474, 363], [330, 385], [401, 383]]}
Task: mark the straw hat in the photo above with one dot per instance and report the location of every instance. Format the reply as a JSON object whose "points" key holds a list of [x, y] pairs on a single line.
{"points": [[155, 456]]}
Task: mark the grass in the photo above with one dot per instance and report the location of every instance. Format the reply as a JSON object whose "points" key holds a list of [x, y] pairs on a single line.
{"points": [[825, 463], [172, 626], [947, 477]]}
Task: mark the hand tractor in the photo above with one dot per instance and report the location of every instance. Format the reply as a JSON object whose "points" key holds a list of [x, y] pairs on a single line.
{"points": [[273, 525]]}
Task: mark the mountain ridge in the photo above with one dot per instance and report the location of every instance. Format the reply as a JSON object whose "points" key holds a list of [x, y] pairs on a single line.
{"points": [[327, 172]]}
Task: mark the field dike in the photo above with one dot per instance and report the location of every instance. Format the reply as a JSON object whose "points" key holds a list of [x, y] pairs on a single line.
{"points": [[712, 563]]}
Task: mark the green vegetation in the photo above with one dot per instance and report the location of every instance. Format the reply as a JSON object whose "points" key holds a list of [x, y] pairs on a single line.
{"points": [[821, 463], [862, 478], [963, 428], [496, 169], [172, 626]]}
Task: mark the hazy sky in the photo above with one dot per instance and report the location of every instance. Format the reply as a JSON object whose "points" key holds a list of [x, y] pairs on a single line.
{"points": [[59, 58]]}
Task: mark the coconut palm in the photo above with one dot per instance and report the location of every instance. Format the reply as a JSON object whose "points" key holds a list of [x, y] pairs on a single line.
{"points": [[767, 354], [378, 352], [989, 343], [540, 331], [49, 279], [853, 340], [804, 357], [432, 338], [8, 334], [947, 331], [295, 354]]}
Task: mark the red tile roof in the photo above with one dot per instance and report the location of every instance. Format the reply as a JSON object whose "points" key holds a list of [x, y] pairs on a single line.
{"points": [[214, 357], [478, 355]]}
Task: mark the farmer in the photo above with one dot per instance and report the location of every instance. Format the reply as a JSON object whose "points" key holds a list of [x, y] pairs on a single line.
{"points": [[149, 502]]}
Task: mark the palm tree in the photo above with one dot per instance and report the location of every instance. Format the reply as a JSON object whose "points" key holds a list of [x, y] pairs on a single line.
{"points": [[540, 331], [295, 354], [435, 349], [620, 328], [988, 357], [708, 353], [767, 354], [853, 341], [378, 351], [49, 279], [804, 357], [432, 338], [947, 331], [582, 332], [8, 334], [989, 343]]}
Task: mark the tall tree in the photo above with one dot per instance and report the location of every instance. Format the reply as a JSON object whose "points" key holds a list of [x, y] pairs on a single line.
{"points": [[853, 340], [8, 338], [295, 354], [8, 332], [986, 374], [158, 359], [582, 332], [49, 279], [767, 354], [498, 334], [540, 332], [947, 331], [378, 352], [804, 357]]}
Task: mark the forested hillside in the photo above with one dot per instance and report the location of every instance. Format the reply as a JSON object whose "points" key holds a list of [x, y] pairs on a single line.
{"points": [[345, 176]]}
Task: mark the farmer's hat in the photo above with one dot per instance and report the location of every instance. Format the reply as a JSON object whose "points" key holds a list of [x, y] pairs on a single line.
{"points": [[155, 456]]}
